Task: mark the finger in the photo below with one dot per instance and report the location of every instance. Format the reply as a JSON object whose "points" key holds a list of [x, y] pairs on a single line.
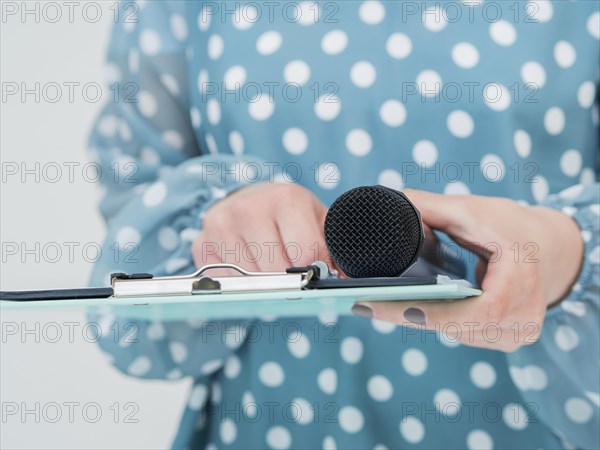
{"points": [[460, 324], [459, 216], [432, 315], [448, 213], [325, 255], [457, 322], [199, 250], [302, 233], [213, 259], [220, 248], [264, 246]]}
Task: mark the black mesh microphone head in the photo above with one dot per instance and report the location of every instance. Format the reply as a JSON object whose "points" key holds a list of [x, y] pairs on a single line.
{"points": [[373, 231]]}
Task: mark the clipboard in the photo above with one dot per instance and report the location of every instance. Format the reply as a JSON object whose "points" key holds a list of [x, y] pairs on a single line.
{"points": [[298, 292]]}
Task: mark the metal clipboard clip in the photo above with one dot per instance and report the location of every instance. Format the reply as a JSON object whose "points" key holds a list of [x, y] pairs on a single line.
{"points": [[197, 283]]}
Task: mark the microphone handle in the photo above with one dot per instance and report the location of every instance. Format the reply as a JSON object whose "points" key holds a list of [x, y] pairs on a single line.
{"points": [[437, 258]]}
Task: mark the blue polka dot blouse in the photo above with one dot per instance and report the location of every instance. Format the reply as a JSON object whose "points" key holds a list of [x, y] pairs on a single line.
{"points": [[458, 97]]}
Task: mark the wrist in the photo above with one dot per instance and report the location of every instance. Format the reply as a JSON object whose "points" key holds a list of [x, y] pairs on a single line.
{"points": [[562, 256]]}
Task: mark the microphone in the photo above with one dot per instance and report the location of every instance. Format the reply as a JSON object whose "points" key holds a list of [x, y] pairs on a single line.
{"points": [[375, 231]]}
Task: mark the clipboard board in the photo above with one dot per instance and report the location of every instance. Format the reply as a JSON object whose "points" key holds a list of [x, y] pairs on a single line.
{"points": [[298, 292]]}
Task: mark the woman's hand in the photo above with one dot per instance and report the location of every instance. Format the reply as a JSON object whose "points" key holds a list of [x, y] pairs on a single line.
{"points": [[529, 258], [264, 227]]}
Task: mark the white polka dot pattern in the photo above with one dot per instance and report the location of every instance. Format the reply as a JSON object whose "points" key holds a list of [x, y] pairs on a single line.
{"points": [[386, 98]]}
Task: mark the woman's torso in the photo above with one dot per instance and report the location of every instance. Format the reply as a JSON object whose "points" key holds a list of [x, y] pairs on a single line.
{"points": [[362, 377]]}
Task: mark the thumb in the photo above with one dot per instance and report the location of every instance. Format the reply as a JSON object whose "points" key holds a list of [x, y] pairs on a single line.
{"points": [[447, 213], [454, 215]]}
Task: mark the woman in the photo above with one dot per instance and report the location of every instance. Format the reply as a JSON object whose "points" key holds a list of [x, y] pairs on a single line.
{"points": [[493, 99]]}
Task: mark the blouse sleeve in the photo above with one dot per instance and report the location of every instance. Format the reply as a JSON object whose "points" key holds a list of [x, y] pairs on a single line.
{"points": [[559, 375], [158, 182]]}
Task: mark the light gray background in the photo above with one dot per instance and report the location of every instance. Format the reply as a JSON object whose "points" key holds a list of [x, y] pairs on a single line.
{"points": [[69, 370]]}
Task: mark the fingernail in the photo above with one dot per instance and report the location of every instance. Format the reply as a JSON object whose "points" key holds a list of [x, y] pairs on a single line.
{"points": [[415, 315], [362, 311]]}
